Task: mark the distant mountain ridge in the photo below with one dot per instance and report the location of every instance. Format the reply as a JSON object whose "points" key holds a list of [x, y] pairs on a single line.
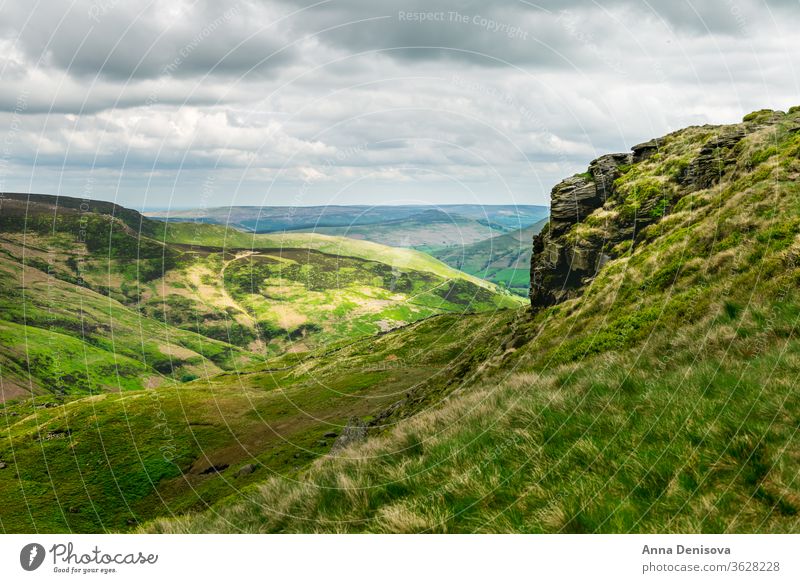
{"points": [[266, 219]]}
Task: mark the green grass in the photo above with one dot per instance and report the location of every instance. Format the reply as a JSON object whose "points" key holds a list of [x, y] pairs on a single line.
{"points": [[115, 460], [504, 259], [704, 447]]}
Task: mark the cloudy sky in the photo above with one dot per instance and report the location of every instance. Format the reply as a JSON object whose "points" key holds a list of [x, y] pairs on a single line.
{"points": [[295, 102]]}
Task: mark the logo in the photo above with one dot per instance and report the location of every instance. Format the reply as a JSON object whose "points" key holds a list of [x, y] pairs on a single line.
{"points": [[31, 556]]}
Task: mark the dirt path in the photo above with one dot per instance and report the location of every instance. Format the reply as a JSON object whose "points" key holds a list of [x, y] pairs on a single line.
{"points": [[257, 345], [218, 295], [228, 299]]}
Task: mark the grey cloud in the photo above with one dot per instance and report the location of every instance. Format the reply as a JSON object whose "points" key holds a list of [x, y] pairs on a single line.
{"points": [[126, 41], [489, 32], [396, 121]]}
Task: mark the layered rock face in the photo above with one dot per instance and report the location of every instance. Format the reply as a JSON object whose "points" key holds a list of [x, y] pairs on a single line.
{"points": [[597, 215], [559, 267]]}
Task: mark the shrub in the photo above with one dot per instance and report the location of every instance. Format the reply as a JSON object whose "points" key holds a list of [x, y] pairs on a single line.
{"points": [[268, 330]]}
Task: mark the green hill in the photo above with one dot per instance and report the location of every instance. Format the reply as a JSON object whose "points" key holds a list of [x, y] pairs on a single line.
{"points": [[129, 375], [425, 229], [141, 301], [654, 393], [228, 238], [504, 259], [113, 461]]}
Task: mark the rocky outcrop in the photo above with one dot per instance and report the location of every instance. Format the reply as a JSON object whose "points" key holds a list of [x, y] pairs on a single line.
{"points": [[657, 174], [575, 198], [558, 268], [715, 156], [646, 149]]}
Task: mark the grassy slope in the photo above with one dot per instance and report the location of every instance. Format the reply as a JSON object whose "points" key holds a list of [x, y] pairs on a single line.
{"points": [[504, 259], [165, 311], [114, 460], [106, 315], [662, 400], [220, 236], [62, 338]]}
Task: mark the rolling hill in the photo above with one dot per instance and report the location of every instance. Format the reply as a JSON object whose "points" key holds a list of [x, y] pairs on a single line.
{"points": [[98, 298], [398, 226], [423, 230], [504, 259]]}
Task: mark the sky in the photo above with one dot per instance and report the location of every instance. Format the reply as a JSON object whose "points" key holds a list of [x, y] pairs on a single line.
{"points": [[259, 102]]}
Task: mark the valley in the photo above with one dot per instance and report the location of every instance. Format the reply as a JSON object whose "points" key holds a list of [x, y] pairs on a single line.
{"points": [[180, 301], [194, 377], [651, 389], [178, 363], [502, 259], [491, 242]]}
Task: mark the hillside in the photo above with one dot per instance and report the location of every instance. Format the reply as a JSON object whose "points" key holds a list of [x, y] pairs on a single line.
{"points": [[504, 259], [98, 298], [172, 364], [655, 392], [426, 229], [114, 461], [71, 321]]}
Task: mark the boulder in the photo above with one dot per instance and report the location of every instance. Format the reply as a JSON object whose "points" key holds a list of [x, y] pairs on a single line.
{"points": [[605, 170], [571, 201], [715, 155], [354, 432], [246, 470]]}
